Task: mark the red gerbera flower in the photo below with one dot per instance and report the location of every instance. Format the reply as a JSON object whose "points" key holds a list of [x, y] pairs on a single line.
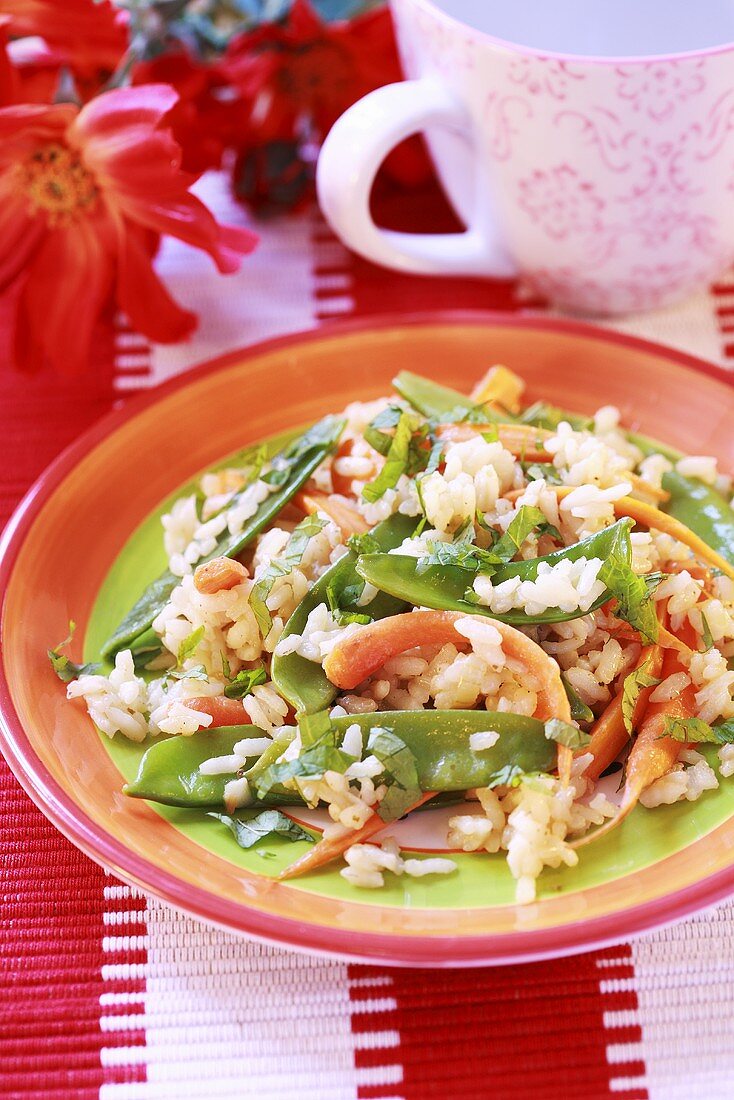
{"points": [[84, 195], [309, 68], [90, 34]]}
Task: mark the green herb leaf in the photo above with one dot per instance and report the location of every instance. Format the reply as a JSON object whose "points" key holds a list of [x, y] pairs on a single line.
{"points": [[198, 673], [695, 731], [534, 471], [365, 544], [281, 566], [400, 773], [527, 520], [633, 685], [388, 418], [708, 639], [343, 607], [508, 776], [563, 733], [189, 645], [249, 831], [579, 710], [246, 679], [634, 598], [396, 461], [65, 669], [319, 757]]}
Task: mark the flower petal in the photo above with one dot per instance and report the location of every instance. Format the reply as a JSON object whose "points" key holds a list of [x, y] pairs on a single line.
{"points": [[117, 110], [142, 295]]}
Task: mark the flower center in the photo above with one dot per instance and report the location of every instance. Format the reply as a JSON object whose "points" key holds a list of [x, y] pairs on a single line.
{"points": [[56, 181]]}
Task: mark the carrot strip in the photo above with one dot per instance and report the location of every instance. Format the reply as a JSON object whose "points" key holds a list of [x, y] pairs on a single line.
{"points": [[522, 440], [223, 711], [649, 516], [347, 519], [499, 386], [609, 733], [356, 657], [324, 851], [653, 754]]}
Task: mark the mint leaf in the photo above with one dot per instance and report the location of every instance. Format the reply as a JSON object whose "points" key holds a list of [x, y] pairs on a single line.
{"points": [[579, 710], [400, 773], [634, 597], [249, 831], [695, 731], [510, 775], [527, 519], [396, 460], [66, 669], [565, 734], [319, 757], [708, 640], [246, 679], [281, 566], [633, 686], [189, 645]]}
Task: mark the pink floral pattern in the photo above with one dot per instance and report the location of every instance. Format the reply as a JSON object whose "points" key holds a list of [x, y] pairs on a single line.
{"points": [[613, 181]]}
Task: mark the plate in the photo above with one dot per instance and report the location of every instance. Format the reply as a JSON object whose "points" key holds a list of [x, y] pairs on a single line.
{"points": [[85, 540]]}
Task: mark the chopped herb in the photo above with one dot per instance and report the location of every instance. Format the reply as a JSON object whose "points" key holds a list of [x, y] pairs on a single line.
{"points": [[249, 831], [342, 606], [708, 639], [319, 757], [281, 566], [388, 418], [563, 733], [65, 669], [189, 645], [510, 775], [527, 520], [579, 710], [198, 673], [534, 471], [491, 435], [634, 597], [400, 773], [633, 686], [695, 731], [364, 544], [246, 679], [396, 459]]}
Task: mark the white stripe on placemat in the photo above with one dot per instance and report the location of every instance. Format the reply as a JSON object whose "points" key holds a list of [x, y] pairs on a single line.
{"points": [[684, 977], [227, 1018]]}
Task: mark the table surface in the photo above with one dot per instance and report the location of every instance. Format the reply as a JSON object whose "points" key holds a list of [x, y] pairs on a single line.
{"points": [[106, 992]]}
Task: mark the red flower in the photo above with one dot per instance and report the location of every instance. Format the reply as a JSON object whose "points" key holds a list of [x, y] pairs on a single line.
{"points": [[204, 120], [91, 35], [308, 67], [84, 195]]}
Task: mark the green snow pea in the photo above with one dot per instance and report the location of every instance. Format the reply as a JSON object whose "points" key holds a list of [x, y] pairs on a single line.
{"points": [[439, 740], [444, 404], [443, 587], [703, 510], [169, 770], [304, 683], [293, 466]]}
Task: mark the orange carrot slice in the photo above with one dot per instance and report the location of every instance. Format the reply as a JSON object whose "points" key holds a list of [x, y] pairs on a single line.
{"points": [[499, 386], [609, 734], [348, 519], [324, 851], [359, 656], [223, 711]]}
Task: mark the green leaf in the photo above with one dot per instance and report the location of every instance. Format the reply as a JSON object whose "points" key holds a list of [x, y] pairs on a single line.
{"points": [[315, 726], [508, 776], [400, 773], [396, 460], [563, 733], [364, 544], [708, 639], [634, 598], [694, 731], [281, 566], [527, 520], [246, 679], [579, 710], [198, 673], [343, 608], [189, 645], [65, 669], [633, 685], [322, 756], [534, 471], [388, 418], [249, 831]]}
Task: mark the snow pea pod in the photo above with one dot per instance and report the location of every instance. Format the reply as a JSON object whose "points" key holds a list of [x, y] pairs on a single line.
{"points": [[294, 465], [444, 404], [304, 683], [443, 587], [703, 510], [439, 741], [169, 770]]}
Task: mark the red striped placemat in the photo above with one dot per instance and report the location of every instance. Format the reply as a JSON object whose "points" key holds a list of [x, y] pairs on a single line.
{"points": [[107, 993]]}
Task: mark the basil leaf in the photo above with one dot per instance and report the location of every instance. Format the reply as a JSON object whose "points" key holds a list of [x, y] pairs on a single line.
{"points": [[249, 831], [364, 544], [396, 460], [246, 679], [322, 756], [66, 669], [633, 686], [341, 610], [508, 776], [534, 471], [388, 418], [400, 773], [579, 710], [565, 734], [634, 598], [708, 640], [695, 731], [198, 673], [189, 645], [527, 519], [281, 566]]}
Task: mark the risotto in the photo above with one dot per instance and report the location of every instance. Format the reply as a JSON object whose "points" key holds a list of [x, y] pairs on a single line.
{"points": [[434, 598]]}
